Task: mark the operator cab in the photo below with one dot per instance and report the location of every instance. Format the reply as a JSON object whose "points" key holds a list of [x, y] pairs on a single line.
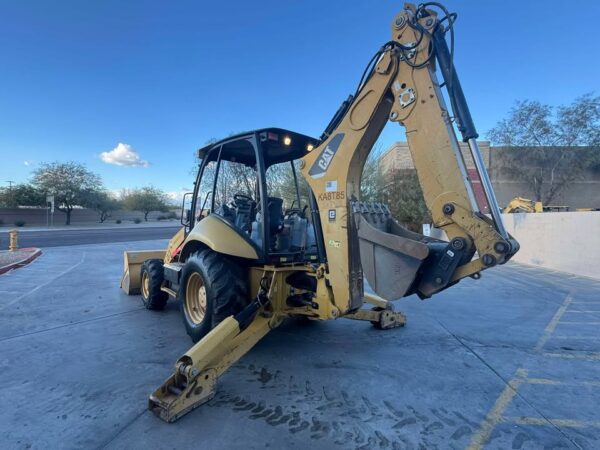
{"points": [[251, 182]]}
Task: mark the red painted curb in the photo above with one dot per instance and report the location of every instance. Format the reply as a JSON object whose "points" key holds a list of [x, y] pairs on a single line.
{"points": [[21, 263]]}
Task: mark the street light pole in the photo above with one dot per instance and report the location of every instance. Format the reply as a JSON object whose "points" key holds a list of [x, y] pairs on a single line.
{"points": [[10, 196]]}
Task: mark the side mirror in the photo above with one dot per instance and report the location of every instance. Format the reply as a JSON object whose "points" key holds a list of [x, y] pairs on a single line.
{"points": [[186, 211]]}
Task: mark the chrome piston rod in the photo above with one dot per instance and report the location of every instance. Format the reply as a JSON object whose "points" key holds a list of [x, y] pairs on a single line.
{"points": [[488, 189]]}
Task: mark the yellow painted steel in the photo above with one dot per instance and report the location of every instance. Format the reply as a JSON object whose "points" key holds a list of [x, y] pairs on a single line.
{"points": [[174, 244], [220, 237], [195, 301], [132, 265], [520, 204], [436, 155], [194, 379]]}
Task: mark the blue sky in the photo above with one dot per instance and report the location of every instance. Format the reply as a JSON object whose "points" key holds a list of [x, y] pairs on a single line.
{"points": [[78, 78]]}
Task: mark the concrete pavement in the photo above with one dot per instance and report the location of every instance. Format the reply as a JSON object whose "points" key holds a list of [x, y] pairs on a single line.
{"points": [[509, 361]]}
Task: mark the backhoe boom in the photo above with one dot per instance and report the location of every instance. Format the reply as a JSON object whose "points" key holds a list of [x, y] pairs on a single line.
{"points": [[402, 87]]}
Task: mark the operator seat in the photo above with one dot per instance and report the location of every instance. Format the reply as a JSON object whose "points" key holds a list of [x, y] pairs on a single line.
{"points": [[275, 211]]}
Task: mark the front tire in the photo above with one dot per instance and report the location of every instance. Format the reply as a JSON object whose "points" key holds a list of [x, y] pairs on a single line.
{"points": [[152, 276], [212, 288]]}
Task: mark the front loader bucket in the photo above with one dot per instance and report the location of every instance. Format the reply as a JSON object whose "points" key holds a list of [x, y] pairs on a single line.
{"points": [[133, 260]]}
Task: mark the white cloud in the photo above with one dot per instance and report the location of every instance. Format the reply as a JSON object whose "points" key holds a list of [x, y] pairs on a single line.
{"points": [[177, 196], [123, 155], [27, 163]]}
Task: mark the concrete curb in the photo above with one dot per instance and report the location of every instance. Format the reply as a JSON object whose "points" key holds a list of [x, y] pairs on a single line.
{"points": [[37, 252]]}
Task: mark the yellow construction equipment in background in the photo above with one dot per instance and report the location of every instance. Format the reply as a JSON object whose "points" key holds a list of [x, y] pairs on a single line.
{"points": [[275, 226], [523, 205]]}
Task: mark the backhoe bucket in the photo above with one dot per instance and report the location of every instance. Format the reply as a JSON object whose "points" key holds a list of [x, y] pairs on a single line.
{"points": [[133, 260], [390, 255]]}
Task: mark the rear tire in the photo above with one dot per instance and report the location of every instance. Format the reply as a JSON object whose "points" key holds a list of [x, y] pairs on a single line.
{"points": [[212, 288], [152, 276]]}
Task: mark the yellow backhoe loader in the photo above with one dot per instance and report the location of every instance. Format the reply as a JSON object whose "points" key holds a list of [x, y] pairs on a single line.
{"points": [[524, 205], [275, 226]]}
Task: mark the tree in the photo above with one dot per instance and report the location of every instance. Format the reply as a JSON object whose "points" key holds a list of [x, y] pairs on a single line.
{"points": [[146, 200], [406, 200], [21, 195], [549, 148], [104, 204], [398, 189], [71, 184], [372, 182]]}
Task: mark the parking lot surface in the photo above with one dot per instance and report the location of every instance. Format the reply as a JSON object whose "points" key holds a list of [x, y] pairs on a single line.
{"points": [[509, 361]]}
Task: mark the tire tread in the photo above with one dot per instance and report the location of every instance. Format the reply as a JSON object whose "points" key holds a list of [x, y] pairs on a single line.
{"points": [[157, 298]]}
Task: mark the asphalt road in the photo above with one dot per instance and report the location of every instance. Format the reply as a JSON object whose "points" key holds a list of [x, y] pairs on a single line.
{"points": [[59, 238]]}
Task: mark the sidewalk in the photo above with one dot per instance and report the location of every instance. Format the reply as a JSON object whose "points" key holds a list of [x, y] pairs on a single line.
{"points": [[18, 258], [95, 225]]}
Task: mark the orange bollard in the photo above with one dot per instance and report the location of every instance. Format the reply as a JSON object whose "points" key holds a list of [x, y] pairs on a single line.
{"points": [[13, 244]]}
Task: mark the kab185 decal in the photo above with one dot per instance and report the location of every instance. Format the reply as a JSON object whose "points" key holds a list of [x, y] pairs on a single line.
{"points": [[337, 195]]}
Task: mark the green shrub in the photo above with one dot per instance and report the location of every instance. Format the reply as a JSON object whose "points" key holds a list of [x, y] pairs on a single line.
{"points": [[20, 223], [118, 221], [1, 222], [137, 220], [161, 218], [172, 215]]}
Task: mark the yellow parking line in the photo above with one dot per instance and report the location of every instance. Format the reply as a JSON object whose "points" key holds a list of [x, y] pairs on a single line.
{"points": [[552, 325], [571, 423], [579, 323], [547, 381], [495, 415], [581, 338], [590, 356], [492, 419]]}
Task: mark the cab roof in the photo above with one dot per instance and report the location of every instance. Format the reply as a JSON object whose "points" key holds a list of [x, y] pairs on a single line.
{"points": [[277, 145]]}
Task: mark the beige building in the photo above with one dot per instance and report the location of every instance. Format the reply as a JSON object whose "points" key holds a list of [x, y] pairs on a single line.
{"points": [[582, 193], [398, 157]]}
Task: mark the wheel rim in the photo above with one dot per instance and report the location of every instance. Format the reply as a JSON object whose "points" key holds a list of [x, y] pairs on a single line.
{"points": [[145, 285], [195, 298]]}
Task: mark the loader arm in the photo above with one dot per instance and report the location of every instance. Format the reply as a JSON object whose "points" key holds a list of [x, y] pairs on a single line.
{"points": [[402, 87]]}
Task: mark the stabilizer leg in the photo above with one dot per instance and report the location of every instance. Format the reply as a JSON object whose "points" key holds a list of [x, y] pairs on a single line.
{"points": [[383, 319], [194, 380], [376, 300]]}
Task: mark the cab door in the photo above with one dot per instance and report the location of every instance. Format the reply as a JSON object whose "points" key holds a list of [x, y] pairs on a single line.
{"points": [[202, 197]]}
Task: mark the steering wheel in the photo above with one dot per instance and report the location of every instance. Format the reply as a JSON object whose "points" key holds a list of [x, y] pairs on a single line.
{"points": [[245, 197], [300, 211]]}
